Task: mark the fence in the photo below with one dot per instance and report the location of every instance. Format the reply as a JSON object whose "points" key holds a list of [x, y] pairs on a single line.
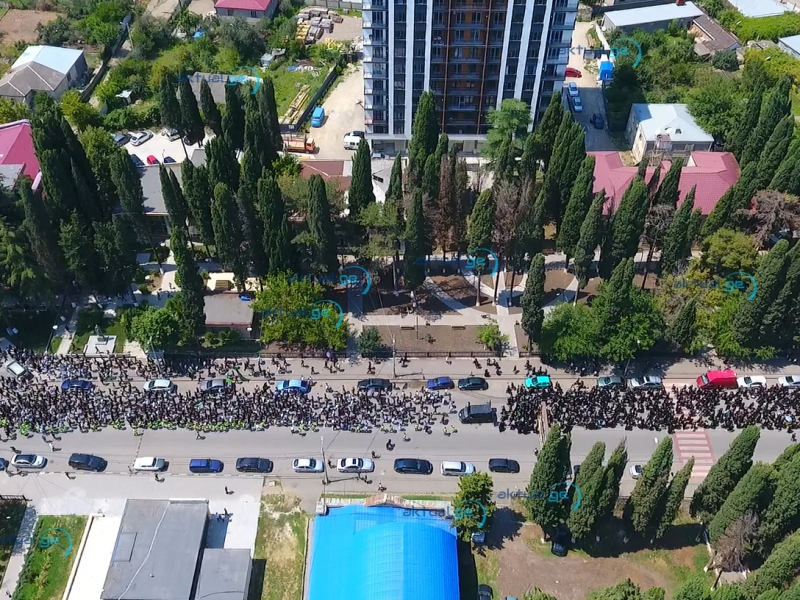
{"points": [[312, 102], [86, 93], [336, 4]]}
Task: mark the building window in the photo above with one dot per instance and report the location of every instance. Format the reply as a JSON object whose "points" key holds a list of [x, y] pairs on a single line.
{"points": [[511, 69], [498, 18], [460, 18], [399, 127], [513, 52], [229, 12], [559, 18], [516, 34], [437, 52], [494, 53], [438, 18], [530, 69], [459, 35]]}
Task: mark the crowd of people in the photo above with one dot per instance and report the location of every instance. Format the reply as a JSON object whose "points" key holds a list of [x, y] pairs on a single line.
{"points": [[38, 404]]}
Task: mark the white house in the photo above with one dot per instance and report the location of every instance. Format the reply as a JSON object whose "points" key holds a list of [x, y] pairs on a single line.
{"points": [[44, 69], [668, 127]]}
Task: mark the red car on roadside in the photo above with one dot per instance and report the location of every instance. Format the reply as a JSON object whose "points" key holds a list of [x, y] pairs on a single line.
{"points": [[572, 72], [152, 160]]}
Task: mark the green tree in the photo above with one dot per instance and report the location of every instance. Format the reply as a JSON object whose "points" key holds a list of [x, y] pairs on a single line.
{"points": [[318, 219], [612, 475], [728, 592], [396, 180], [222, 164], [227, 230], [750, 495], [590, 236], [674, 252], [744, 129], [131, 196], [99, 146], [416, 243], [168, 107], [369, 341], [509, 123], [624, 590], [361, 192], [673, 498], [668, 192], [650, 490], [533, 300], [475, 500], [549, 125], [276, 240], [786, 457], [589, 481], [481, 227], [775, 151], [736, 198], [626, 228], [683, 331], [269, 108], [424, 135], [533, 154], [197, 192], [778, 570], [551, 466], [175, 209], [211, 114], [75, 240], [694, 588], [252, 223], [777, 106], [233, 117], [782, 515], [577, 209]]}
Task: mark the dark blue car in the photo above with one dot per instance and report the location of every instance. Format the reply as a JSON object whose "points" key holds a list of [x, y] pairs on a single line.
{"points": [[76, 384], [440, 383]]}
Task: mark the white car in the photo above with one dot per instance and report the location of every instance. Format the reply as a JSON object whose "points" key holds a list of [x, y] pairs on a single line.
{"points": [[28, 461], [577, 105], [458, 469], [160, 385], [355, 465], [140, 137], [351, 140], [308, 465], [648, 382], [636, 471], [149, 463], [790, 381], [752, 381], [572, 88]]}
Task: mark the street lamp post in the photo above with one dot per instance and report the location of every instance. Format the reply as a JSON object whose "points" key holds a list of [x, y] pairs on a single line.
{"points": [[394, 357], [325, 480]]}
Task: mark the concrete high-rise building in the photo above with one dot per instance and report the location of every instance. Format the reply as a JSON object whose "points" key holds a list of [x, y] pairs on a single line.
{"points": [[472, 54]]}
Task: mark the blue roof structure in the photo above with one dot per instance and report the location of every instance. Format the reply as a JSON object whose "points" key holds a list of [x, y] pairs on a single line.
{"points": [[757, 9], [606, 70], [383, 553]]}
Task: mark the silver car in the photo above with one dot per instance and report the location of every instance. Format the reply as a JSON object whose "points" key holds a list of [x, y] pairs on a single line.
{"points": [[648, 382], [140, 137], [212, 385], [308, 465], [28, 461]]}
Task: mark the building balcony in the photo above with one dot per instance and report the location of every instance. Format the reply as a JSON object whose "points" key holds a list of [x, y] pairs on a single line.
{"points": [[374, 4], [368, 58], [374, 24], [371, 40], [375, 74], [375, 121], [375, 103]]}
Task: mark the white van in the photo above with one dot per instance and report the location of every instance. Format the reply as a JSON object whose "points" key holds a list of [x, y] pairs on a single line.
{"points": [[352, 140], [457, 469]]}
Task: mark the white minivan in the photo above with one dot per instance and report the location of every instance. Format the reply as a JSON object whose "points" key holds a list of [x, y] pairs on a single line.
{"points": [[450, 467], [352, 140]]}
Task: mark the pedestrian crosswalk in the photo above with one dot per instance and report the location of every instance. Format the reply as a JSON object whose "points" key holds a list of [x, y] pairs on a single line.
{"points": [[694, 443]]}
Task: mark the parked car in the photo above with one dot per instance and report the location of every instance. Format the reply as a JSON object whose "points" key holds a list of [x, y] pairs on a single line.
{"points": [[540, 382], [149, 463], [15, 369], [253, 465], [572, 89], [485, 592], [413, 466], [473, 383], [610, 383], [503, 465], [318, 117], [28, 461], [598, 121], [293, 385], [168, 160], [3, 464], [577, 105], [152, 160], [752, 381], [120, 139], [76, 384], [212, 385], [790, 381], [636, 471], [355, 465], [560, 544], [140, 137], [647, 382], [375, 384], [572, 72], [308, 465], [351, 140], [206, 465], [171, 134], [137, 161], [160, 385], [456, 468], [87, 462], [440, 383]]}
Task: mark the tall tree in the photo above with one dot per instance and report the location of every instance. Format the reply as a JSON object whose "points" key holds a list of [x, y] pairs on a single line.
{"points": [[80, 255], [197, 192], [175, 209], [551, 466], [424, 136], [674, 248], [612, 476], [668, 192], [577, 208], [318, 219], [222, 164], [253, 226], [782, 515], [533, 155], [775, 151], [168, 107], [211, 114], [131, 196], [257, 134], [38, 227], [673, 498], [590, 236], [269, 107], [533, 301], [741, 134], [779, 322], [361, 193], [573, 160], [116, 255], [778, 570], [549, 126], [683, 331], [750, 495], [416, 243], [395, 191], [777, 106], [627, 227], [557, 164], [233, 117], [276, 240], [590, 479], [650, 490], [227, 230], [724, 475], [481, 228], [190, 113], [99, 146]]}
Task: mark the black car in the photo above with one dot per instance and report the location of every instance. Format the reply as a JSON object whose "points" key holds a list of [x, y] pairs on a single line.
{"points": [[485, 592], [253, 465], [87, 462], [611, 383], [473, 383], [414, 466], [503, 465], [560, 544], [375, 385], [137, 161]]}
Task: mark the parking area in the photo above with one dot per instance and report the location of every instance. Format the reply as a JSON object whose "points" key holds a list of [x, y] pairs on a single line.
{"points": [[160, 147], [349, 29], [591, 93], [344, 112]]}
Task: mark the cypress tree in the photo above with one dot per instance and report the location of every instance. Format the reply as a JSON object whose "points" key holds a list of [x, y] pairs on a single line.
{"points": [[532, 156], [641, 169], [652, 185], [269, 108], [694, 588], [778, 570], [782, 315], [782, 515], [626, 228], [222, 164], [650, 488], [180, 201], [573, 160], [129, 190], [728, 592], [318, 219], [116, 255], [227, 232], [91, 208], [82, 260], [186, 273], [481, 221], [416, 243], [211, 115], [197, 192], [741, 134], [591, 233], [256, 134], [38, 227], [775, 151], [168, 107], [505, 163], [750, 495], [786, 457], [612, 476], [724, 475], [424, 136], [253, 226], [668, 192], [782, 180], [549, 126], [175, 211], [674, 497], [592, 464], [551, 466], [361, 193], [748, 323], [276, 240], [675, 240], [577, 208], [59, 187], [395, 192], [777, 106], [556, 165], [614, 302], [233, 117], [683, 330], [190, 113], [693, 230], [533, 300], [582, 521]]}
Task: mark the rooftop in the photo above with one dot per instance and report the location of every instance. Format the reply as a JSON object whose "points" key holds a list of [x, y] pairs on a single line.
{"points": [[157, 550], [712, 172], [671, 119], [791, 42], [653, 14], [227, 310], [224, 574], [28, 78], [760, 8], [243, 4], [60, 60], [329, 170], [16, 148], [714, 36]]}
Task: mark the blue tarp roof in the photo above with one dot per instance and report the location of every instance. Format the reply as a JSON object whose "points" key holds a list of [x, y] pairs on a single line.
{"points": [[383, 553]]}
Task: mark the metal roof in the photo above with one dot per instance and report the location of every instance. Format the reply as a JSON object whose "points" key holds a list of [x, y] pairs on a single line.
{"points": [[792, 42], [671, 119], [760, 8], [157, 550], [57, 59], [382, 553], [653, 14], [224, 574], [227, 310]]}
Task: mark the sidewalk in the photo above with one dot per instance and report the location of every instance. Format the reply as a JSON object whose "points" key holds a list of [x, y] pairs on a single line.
{"points": [[17, 559], [67, 333]]}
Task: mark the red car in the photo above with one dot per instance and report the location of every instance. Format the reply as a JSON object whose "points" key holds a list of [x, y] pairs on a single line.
{"points": [[572, 72], [152, 160]]}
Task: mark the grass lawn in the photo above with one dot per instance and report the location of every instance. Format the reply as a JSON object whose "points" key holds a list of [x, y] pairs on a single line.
{"points": [[55, 344], [46, 570], [288, 84], [87, 319], [11, 514], [476, 568], [34, 328], [280, 550]]}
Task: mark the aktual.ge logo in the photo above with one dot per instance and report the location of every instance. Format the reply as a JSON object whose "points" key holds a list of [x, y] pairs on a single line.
{"points": [[56, 537], [620, 47], [470, 509]]}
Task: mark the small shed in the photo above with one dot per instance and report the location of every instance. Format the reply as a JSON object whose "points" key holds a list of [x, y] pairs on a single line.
{"points": [[227, 310], [606, 70]]}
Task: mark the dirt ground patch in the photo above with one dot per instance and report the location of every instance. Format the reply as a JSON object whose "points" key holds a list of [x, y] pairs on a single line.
{"points": [[445, 338], [20, 25], [590, 291], [556, 281]]}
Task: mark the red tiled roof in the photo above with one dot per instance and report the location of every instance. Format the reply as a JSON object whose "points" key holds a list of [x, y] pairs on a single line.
{"points": [[327, 169], [243, 4], [713, 173], [16, 147]]}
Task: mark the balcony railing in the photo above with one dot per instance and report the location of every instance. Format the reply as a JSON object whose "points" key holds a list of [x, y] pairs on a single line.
{"points": [[373, 73]]}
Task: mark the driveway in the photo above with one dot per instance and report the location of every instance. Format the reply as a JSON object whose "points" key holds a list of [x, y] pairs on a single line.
{"points": [[162, 9], [159, 146], [591, 93], [343, 113], [349, 29], [201, 7]]}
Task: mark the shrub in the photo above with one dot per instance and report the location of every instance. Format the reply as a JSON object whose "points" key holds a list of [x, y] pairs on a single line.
{"points": [[725, 60], [144, 289]]}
